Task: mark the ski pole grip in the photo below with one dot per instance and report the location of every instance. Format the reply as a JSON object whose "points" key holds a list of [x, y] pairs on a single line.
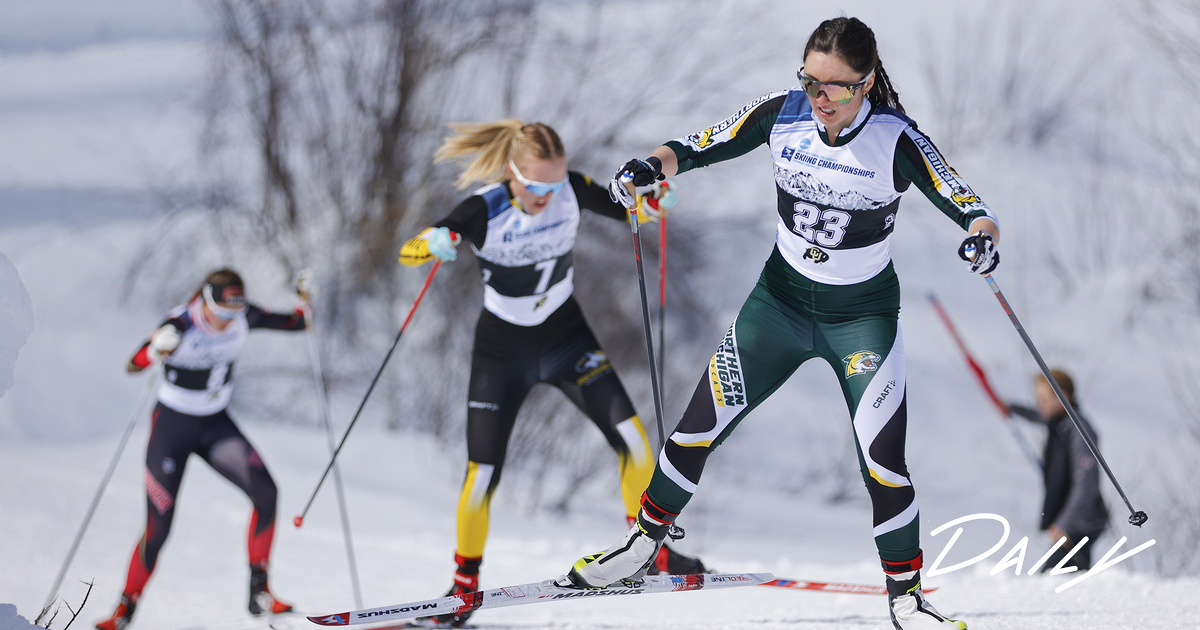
{"points": [[627, 180]]}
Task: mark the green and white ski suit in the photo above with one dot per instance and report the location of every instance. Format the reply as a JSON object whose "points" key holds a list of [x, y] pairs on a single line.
{"points": [[828, 290]]}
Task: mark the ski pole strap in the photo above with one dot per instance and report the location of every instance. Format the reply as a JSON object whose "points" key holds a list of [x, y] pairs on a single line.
{"points": [[895, 568]]}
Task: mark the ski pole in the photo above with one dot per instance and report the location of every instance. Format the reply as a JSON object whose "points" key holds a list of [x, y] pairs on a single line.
{"points": [[637, 254], [662, 300], [137, 413], [299, 520], [1136, 517], [323, 404], [1005, 413]]}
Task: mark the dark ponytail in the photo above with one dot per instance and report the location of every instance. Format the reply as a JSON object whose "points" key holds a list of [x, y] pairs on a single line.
{"points": [[853, 42]]}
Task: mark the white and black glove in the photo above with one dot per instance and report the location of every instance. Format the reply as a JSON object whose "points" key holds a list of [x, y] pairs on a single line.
{"points": [[979, 249], [640, 172], [163, 342]]}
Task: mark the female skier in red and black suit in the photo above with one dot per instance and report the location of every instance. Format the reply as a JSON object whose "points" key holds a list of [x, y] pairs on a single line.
{"points": [[197, 346]]}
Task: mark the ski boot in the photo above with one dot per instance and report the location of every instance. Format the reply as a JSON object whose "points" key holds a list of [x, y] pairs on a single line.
{"points": [[466, 580], [261, 598], [909, 608], [121, 616], [669, 561], [626, 561]]}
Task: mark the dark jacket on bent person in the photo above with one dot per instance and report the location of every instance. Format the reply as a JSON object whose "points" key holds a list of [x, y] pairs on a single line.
{"points": [[1071, 475]]}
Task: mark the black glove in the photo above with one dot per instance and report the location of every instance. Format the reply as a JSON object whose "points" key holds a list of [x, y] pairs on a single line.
{"points": [[979, 249], [641, 172]]}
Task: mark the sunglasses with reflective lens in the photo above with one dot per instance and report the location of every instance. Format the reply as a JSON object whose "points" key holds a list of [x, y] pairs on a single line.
{"points": [[233, 306], [537, 189], [837, 92]]}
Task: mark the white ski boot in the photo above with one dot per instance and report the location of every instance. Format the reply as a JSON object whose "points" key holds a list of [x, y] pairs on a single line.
{"points": [[909, 608], [626, 561]]}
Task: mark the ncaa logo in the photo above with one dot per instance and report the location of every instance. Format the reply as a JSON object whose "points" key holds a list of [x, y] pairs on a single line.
{"points": [[805, 143], [862, 362]]}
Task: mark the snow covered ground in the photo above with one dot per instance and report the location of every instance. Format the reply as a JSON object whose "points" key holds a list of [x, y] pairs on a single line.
{"points": [[91, 113], [401, 493]]}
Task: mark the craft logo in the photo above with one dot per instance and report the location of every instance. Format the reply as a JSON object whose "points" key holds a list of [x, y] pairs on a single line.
{"points": [[883, 396], [725, 373], [478, 404], [704, 139], [862, 362], [816, 255]]}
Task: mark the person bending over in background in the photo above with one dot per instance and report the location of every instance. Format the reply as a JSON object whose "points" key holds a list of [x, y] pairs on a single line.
{"points": [[843, 152], [1072, 507], [197, 346], [522, 227]]}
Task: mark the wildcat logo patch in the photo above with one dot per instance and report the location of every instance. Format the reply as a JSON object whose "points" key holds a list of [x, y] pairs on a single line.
{"points": [[862, 362]]}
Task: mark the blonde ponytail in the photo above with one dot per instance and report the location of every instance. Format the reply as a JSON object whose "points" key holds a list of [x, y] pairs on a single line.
{"points": [[494, 144]]}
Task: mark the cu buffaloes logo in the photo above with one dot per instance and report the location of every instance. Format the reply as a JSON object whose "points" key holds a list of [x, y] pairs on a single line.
{"points": [[816, 255], [862, 362]]}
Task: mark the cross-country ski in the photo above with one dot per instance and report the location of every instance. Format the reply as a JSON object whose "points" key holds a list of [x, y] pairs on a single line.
{"points": [[539, 592], [836, 587]]}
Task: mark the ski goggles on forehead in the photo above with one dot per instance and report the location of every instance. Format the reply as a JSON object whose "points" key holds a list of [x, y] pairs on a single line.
{"points": [[229, 307], [538, 189], [837, 92]]}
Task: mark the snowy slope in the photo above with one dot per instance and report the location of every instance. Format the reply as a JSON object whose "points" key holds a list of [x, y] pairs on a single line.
{"points": [[401, 495], [87, 124]]}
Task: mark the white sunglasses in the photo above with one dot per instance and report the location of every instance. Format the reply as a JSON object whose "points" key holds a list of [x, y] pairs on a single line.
{"points": [[538, 189]]}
